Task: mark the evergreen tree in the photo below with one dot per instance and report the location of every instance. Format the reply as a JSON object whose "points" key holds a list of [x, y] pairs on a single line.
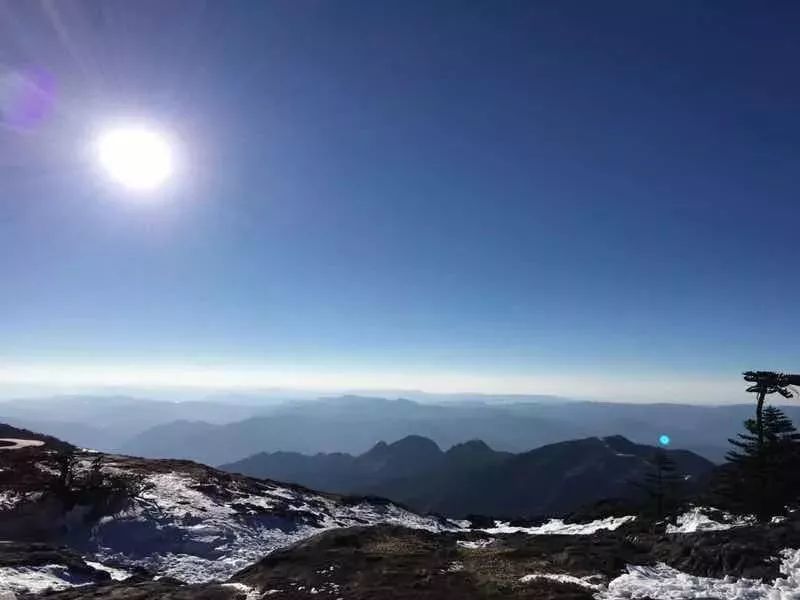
{"points": [[662, 482], [761, 476]]}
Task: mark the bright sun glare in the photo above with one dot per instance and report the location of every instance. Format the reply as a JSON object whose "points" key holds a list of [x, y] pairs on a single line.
{"points": [[139, 158]]}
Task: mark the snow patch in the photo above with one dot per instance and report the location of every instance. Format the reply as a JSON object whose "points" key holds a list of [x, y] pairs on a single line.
{"points": [[665, 583], [35, 580], [696, 519], [475, 544], [9, 499], [558, 527], [563, 578], [201, 531], [454, 567], [251, 593], [116, 574], [18, 443]]}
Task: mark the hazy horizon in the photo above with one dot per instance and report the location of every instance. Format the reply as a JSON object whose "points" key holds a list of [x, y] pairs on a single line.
{"points": [[205, 384]]}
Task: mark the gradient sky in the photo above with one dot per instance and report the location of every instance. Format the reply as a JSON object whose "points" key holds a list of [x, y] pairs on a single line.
{"points": [[464, 196]]}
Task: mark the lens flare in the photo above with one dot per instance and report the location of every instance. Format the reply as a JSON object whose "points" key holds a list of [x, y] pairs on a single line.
{"points": [[664, 440], [27, 98]]}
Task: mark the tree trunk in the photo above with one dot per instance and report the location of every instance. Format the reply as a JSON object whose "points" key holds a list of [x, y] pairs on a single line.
{"points": [[762, 492], [762, 394]]}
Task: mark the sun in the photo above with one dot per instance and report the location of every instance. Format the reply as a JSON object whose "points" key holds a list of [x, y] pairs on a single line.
{"points": [[139, 158]]}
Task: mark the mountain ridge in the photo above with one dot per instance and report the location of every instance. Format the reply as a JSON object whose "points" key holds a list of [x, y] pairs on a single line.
{"points": [[314, 427], [163, 429], [472, 478]]}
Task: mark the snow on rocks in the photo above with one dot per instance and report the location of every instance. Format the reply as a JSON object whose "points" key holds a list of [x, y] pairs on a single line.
{"points": [[38, 579], [250, 593], [113, 572], [777, 520], [199, 528], [593, 582], [454, 567], [475, 544], [16, 444], [10, 498], [697, 519], [665, 583], [558, 527]]}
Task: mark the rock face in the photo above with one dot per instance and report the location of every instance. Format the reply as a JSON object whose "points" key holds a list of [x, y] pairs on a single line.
{"points": [[153, 590], [748, 551], [388, 562], [471, 478], [391, 562]]}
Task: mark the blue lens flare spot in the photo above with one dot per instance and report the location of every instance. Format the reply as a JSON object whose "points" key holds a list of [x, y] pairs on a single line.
{"points": [[664, 440]]}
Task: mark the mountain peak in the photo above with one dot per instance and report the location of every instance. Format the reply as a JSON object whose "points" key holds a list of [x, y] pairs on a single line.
{"points": [[622, 445], [471, 446], [416, 443], [403, 457]]}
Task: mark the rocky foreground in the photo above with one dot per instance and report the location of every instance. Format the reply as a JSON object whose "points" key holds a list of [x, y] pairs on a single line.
{"points": [[189, 531], [392, 562]]}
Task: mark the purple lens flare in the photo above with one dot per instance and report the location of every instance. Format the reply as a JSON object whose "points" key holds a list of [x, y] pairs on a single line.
{"points": [[27, 97]]}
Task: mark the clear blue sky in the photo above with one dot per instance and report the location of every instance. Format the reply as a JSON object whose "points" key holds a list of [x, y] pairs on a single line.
{"points": [[495, 190]]}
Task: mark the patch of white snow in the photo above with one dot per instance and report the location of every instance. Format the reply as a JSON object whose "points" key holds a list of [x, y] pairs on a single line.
{"points": [[475, 544], [202, 532], [9, 499], [35, 580], [665, 583], [558, 527], [586, 582], [116, 574], [17, 443], [455, 567], [696, 520], [251, 593]]}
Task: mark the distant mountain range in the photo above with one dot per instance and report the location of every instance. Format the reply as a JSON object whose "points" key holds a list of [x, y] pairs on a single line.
{"points": [[108, 422], [471, 478], [353, 424]]}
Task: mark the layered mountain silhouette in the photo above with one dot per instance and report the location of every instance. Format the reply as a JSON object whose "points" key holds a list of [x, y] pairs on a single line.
{"points": [[472, 478], [353, 424], [244, 426]]}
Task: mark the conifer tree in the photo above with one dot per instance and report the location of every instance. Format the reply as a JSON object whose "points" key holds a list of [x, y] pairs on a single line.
{"points": [[662, 482], [761, 476]]}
